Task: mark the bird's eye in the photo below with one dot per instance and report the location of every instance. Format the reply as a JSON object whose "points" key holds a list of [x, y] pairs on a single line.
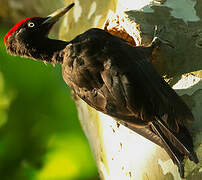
{"points": [[31, 24]]}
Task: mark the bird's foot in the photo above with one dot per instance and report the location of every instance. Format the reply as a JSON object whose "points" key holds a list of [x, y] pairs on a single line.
{"points": [[157, 40]]}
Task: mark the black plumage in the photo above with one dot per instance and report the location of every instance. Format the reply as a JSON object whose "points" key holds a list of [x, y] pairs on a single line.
{"points": [[114, 78]]}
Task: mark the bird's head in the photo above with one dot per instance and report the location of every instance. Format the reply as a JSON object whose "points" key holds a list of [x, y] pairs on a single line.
{"points": [[31, 31]]}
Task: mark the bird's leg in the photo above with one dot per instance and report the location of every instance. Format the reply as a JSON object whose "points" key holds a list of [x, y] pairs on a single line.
{"points": [[157, 40], [155, 44]]}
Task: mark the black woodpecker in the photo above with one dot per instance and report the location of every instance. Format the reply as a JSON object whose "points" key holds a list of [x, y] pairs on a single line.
{"points": [[112, 77]]}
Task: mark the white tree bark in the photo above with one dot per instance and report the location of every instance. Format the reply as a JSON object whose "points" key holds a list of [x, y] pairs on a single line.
{"points": [[119, 152], [16, 10]]}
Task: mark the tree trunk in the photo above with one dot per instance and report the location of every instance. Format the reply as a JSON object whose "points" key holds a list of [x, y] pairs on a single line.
{"points": [[13, 11], [119, 152]]}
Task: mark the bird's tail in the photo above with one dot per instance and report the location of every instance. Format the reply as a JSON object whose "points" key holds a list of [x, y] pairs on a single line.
{"points": [[177, 145]]}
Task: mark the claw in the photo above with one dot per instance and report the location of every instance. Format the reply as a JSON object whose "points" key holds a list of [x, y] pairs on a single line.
{"points": [[157, 40]]}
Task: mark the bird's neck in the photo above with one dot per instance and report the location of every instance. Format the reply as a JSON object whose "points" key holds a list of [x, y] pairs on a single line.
{"points": [[49, 50], [44, 49]]}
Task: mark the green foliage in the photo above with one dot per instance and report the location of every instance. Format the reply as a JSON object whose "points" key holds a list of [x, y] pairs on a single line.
{"points": [[40, 135], [4, 102]]}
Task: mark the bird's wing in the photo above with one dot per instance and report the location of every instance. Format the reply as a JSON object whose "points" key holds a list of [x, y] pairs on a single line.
{"points": [[167, 105], [139, 88], [114, 78]]}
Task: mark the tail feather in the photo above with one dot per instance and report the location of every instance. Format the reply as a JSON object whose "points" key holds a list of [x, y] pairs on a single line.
{"points": [[172, 151], [145, 132], [181, 140], [176, 144]]}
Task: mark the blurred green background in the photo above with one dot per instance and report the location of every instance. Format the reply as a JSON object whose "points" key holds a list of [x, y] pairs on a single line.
{"points": [[40, 134]]}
